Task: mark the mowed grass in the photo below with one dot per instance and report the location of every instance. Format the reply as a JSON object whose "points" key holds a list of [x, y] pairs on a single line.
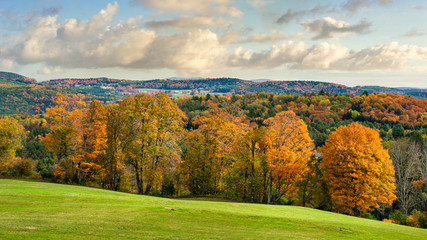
{"points": [[38, 210]]}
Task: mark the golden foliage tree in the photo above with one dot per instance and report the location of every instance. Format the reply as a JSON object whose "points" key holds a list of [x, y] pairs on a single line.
{"points": [[208, 150], [289, 147], [357, 170], [11, 135], [151, 129]]}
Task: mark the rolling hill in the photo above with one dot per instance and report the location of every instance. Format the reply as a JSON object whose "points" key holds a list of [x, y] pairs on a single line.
{"points": [[24, 95], [38, 210]]}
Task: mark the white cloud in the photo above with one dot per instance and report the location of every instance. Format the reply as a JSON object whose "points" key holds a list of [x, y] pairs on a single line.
{"points": [[75, 29], [258, 4], [383, 57], [330, 28], [325, 56], [50, 70], [186, 22], [205, 7], [199, 51], [7, 64], [273, 36], [96, 43]]}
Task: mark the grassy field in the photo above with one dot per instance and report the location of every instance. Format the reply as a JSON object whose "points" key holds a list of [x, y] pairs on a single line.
{"points": [[37, 210]]}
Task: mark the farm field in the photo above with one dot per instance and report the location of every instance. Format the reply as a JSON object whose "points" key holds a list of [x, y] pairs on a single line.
{"points": [[39, 210]]}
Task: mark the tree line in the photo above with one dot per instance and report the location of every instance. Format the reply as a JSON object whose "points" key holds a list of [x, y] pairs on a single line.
{"points": [[221, 146]]}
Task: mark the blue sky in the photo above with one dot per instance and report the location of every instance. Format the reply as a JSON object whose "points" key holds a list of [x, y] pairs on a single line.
{"points": [[351, 42]]}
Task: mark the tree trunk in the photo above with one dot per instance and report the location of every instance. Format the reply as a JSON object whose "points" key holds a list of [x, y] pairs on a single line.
{"points": [[269, 191]]}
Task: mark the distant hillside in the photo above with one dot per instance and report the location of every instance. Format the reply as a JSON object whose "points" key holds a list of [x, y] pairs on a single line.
{"points": [[20, 94], [15, 79], [223, 85], [23, 95]]}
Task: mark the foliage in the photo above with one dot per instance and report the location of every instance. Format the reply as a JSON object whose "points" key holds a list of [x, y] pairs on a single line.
{"points": [[289, 147], [398, 217], [357, 170]]}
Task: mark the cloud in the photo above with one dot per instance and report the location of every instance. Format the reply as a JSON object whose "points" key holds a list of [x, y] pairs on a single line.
{"points": [[17, 18], [75, 29], [325, 56], [206, 7], [97, 43], [383, 57], [198, 51], [330, 28], [273, 36], [356, 5], [186, 22], [291, 15], [231, 36], [258, 4], [50, 70], [414, 33], [418, 7]]}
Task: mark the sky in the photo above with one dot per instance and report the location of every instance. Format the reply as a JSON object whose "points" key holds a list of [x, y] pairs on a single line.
{"points": [[350, 42]]}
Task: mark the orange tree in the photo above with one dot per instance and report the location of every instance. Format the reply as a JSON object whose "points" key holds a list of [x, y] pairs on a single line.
{"points": [[289, 147], [357, 170]]}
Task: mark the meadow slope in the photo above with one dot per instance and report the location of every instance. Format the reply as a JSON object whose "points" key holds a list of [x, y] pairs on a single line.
{"points": [[38, 210]]}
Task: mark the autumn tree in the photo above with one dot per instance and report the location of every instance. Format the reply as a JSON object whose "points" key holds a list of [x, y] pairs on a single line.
{"points": [[93, 139], [357, 170], [138, 133], [289, 147], [250, 165], [11, 135], [65, 139], [152, 126], [112, 159], [164, 150], [208, 150]]}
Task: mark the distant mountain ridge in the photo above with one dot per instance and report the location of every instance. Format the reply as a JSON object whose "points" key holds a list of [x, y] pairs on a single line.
{"points": [[20, 94], [234, 86]]}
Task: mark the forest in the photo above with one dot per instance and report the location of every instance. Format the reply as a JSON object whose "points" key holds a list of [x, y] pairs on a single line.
{"points": [[359, 155]]}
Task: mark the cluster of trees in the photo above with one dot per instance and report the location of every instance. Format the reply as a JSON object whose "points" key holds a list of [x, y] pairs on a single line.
{"points": [[255, 148]]}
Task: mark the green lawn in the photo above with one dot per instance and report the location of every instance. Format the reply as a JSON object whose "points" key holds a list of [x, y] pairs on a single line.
{"points": [[37, 210]]}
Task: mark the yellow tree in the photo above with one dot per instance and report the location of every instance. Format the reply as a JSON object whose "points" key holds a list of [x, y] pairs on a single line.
{"points": [[165, 152], [112, 159], [11, 135], [138, 133], [289, 147], [250, 168], [357, 170], [208, 150], [152, 128]]}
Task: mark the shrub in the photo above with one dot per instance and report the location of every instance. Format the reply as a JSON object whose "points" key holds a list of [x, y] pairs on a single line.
{"points": [[388, 220], [23, 167], [398, 217], [415, 217], [423, 221]]}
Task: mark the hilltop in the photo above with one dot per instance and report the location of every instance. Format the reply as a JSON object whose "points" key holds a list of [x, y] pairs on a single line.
{"points": [[24, 95], [223, 85], [37, 210]]}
